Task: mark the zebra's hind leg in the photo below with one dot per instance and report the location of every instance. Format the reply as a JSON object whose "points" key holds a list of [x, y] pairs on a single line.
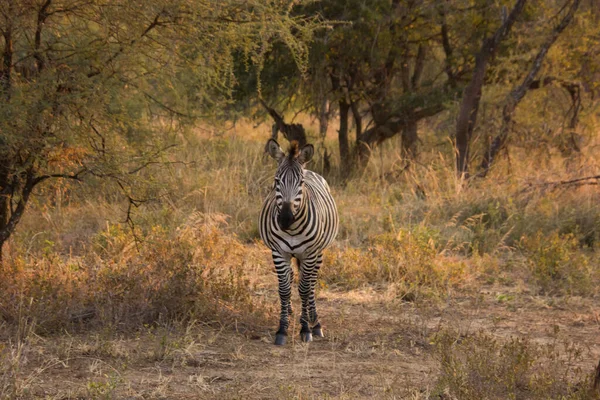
{"points": [[305, 332], [317, 330], [290, 311], [313, 317], [284, 269], [308, 276]]}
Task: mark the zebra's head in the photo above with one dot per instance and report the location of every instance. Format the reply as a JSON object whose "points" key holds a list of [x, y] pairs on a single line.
{"points": [[289, 179]]}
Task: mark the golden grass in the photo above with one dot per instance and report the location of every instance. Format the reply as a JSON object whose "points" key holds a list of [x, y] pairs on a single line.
{"points": [[480, 366], [417, 235], [418, 229]]}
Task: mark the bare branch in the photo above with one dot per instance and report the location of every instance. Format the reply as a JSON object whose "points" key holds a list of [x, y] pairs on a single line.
{"points": [[289, 131], [75, 176], [121, 49], [588, 180]]}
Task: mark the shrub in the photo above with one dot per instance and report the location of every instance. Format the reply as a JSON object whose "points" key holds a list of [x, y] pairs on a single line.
{"points": [[482, 367], [558, 266], [409, 260], [195, 271]]}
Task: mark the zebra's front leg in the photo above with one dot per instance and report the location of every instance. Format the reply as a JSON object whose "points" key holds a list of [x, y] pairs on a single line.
{"points": [[284, 275], [308, 277]]}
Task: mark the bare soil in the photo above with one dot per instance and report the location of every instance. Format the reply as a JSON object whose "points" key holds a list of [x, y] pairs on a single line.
{"points": [[375, 346]]}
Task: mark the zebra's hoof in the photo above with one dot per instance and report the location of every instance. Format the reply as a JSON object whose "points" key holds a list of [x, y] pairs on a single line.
{"points": [[280, 339], [306, 337], [317, 331]]}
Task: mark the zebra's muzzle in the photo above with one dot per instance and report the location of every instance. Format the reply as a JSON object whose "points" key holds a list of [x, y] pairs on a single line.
{"points": [[285, 219]]}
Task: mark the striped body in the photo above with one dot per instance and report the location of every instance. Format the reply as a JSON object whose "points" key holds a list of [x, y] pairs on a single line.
{"points": [[315, 227], [299, 220]]}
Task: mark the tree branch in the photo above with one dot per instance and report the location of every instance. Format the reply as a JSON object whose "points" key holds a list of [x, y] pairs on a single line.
{"points": [[289, 131], [588, 180], [76, 176], [415, 80], [447, 49], [152, 25]]}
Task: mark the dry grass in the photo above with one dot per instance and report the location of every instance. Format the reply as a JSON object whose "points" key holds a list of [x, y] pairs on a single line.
{"points": [[195, 271], [185, 308], [479, 366]]}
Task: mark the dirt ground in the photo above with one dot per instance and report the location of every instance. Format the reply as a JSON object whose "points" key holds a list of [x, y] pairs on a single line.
{"points": [[375, 346]]}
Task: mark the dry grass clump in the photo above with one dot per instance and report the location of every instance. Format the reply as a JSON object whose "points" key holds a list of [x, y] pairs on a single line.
{"points": [[196, 270], [558, 266], [482, 367], [409, 260]]}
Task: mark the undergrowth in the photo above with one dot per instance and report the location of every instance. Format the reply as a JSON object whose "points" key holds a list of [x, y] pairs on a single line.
{"points": [[481, 366], [409, 260], [195, 242], [194, 255], [195, 271]]}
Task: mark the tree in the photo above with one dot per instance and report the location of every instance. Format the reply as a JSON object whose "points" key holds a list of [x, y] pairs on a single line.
{"points": [[467, 116], [85, 84], [380, 67], [517, 94], [385, 65]]}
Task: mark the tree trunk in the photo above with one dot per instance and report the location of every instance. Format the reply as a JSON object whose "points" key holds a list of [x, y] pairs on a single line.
{"points": [[323, 118], [7, 61], [467, 116], [4, 198], [357, 120], [4, 213], [343, 135], [469, 107], [517, 94], [409, 140]]}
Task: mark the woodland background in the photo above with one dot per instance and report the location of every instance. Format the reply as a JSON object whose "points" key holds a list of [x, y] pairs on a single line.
{"points": [[460, 139]]}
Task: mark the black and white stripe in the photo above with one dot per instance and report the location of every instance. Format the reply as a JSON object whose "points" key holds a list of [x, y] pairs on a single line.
{"points": [[299, 220]]}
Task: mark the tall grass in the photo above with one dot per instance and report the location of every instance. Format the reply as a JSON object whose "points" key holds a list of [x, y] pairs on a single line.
{"points": [[194, 247]]}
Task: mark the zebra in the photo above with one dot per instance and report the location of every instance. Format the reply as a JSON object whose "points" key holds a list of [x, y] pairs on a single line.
{"points": [[299, 220]]}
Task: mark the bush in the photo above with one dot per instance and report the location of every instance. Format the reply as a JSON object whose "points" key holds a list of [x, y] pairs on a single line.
{"points": [[194, 271], [482, 367], [409, 260], [558, 266]]}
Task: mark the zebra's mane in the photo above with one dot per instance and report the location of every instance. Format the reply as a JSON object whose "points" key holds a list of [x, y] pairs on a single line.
{"points": [[293, 150]]}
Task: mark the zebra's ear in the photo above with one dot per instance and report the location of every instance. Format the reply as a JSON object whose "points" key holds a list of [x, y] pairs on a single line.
{"points": [[274, 150], [306, 153]]}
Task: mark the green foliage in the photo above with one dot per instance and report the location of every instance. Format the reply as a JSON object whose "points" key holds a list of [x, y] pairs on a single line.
{"points": [[105, 87], [104, 389]]}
